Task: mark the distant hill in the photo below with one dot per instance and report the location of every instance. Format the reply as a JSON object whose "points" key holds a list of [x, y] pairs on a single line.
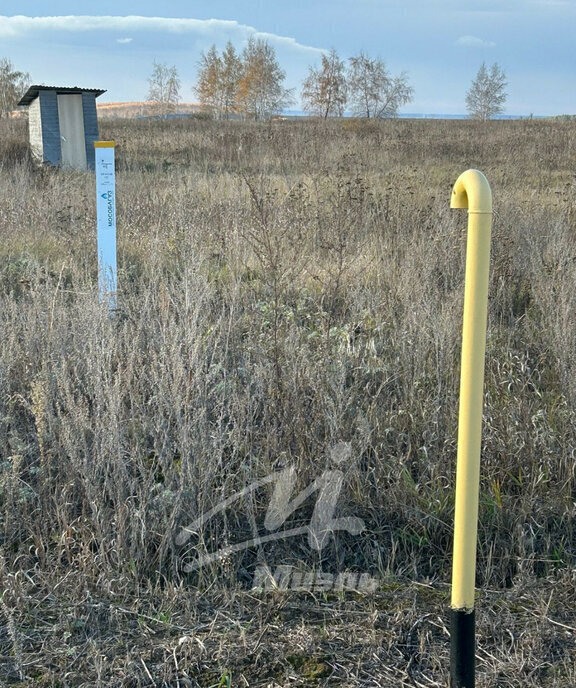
{"points": [[142, 109]]}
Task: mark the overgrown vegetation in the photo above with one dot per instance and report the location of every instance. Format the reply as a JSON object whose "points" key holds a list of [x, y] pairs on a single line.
{"points": [[285, 287]]}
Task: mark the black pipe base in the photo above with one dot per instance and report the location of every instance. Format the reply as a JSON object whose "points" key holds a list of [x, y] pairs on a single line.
{"points": [[462, 648]]}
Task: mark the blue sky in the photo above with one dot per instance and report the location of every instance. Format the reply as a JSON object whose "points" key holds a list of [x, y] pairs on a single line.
{"points": [[439, 43]]}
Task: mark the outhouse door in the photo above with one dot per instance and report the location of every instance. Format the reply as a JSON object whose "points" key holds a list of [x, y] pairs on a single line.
{"points": [[73, 144]]}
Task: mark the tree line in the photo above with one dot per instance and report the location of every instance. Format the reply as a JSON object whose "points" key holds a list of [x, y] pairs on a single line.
{"points": [[250, 84]]}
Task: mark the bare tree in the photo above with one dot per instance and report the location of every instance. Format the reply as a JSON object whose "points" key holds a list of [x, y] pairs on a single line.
{"points": [[164, 88], [324, 91], [487, 94], [13, 85], [373, 91]]}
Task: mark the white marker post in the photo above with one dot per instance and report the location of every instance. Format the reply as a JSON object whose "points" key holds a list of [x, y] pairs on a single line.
{"points": [[106, 219]]}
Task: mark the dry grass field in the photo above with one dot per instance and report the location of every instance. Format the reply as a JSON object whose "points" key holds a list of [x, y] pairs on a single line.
{"points": [[140, 109], [285, 287]]}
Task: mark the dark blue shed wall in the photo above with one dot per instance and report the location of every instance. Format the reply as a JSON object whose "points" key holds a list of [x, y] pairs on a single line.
{"points": [[51, 146], [90, 126]]}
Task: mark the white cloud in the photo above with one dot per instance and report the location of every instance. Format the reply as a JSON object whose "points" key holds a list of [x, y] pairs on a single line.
{"points": [[123, 41], [211, 29], [474, 42]]}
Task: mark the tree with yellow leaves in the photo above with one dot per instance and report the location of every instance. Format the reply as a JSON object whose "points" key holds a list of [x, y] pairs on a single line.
{"points": [[260, 89], [324, 91], [218, 77]]}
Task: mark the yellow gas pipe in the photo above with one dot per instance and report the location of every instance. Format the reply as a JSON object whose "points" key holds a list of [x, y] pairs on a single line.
{"points": [[471, 191]]}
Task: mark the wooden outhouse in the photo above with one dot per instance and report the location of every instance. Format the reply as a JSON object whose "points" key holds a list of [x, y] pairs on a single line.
{"points": [[63, 124]]}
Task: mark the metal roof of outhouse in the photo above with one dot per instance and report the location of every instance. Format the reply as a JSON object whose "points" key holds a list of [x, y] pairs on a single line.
{"points": [[33, 92]]}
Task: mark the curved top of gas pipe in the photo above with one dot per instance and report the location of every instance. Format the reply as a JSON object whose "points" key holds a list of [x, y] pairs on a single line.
{"points": [[472, 191]]}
